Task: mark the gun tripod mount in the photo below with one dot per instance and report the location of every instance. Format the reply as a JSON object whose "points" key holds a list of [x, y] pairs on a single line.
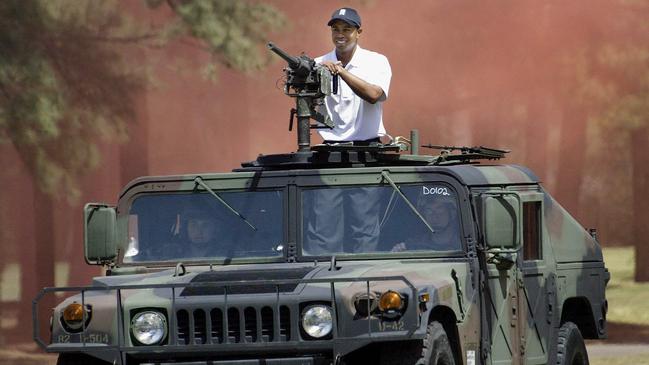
{"points": [[308, 83]]}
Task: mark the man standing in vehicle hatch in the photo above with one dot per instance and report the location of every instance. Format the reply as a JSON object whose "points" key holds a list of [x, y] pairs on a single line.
{"points": [[347, 220], [364, 79]]}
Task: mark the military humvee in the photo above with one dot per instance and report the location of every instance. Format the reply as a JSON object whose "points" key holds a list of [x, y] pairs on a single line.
{"points": [[335, 254], [340, 255]]}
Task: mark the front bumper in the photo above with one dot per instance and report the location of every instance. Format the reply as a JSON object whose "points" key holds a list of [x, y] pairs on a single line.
{"points": [[277, 361], [236, 329]]}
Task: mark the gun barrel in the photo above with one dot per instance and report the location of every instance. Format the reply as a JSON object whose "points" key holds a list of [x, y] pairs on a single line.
{"points": [[293, 62]]}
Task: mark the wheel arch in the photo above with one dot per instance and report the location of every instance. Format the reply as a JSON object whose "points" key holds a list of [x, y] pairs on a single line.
{"points": [[580, 311], [447, 318]]}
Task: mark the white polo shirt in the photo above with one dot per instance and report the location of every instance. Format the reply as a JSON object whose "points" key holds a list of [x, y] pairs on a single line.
{"points": [[354, 118]]}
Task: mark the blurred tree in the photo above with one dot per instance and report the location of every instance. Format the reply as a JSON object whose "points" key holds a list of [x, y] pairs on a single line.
{"points": [[613, 77], [69, 77], [230, 31], [66, 81], [59, 87], [626, 82]]}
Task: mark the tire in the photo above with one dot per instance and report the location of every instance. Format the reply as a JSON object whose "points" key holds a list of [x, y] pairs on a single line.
{"points": [[571, 349], [434, 349], [79, 359]]}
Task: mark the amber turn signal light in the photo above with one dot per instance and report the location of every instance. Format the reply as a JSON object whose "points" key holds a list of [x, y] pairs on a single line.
{"points": [[390, 301], [72, 317], [73, 313]]}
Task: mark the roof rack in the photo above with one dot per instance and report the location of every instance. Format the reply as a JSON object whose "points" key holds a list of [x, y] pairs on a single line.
{"points": [[467, 153], [348, 154]]}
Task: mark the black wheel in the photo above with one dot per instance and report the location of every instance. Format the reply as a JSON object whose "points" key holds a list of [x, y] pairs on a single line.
{"points": [[434, 349], [79, 359], [571, 349]]}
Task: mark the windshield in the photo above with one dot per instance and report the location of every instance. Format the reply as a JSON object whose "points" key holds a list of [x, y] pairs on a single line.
{"points": [[377, 219], [198, 226]]}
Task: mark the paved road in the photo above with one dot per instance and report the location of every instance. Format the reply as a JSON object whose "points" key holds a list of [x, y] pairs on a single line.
{"points": [[595, 349]]}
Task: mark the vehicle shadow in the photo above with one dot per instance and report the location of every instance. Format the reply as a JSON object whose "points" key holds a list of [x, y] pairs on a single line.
{"points": [[624, 333], [627, 333]]}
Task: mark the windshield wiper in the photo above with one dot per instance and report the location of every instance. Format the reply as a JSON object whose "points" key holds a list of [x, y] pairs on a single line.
{"points": [[386, 176], [199, 181]]}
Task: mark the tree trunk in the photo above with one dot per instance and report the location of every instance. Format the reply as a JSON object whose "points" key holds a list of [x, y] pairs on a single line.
{"points": [[44, 258], [536, 135], [134, 155], [572, 153], [640, 160]]}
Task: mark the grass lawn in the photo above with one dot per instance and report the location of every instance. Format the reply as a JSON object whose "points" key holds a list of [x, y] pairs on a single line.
{"points": [[628, 302]]}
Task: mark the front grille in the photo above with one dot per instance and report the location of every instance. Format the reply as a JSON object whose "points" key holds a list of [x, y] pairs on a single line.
{"points": [[234, 325], [240, 325], [250, 319], [200, 327], [216, 317], [267, 328]]}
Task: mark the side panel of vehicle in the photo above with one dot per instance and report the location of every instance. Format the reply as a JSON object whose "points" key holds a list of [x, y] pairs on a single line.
{"points": [[581, 297], [581, 274], [558, 276]]}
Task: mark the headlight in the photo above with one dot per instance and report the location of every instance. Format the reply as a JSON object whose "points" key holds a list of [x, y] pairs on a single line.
{"points": [[149, 327], [317, 320]]}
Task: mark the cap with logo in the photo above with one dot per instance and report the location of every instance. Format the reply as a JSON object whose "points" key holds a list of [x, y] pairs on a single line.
{"points": [[348, 15]]}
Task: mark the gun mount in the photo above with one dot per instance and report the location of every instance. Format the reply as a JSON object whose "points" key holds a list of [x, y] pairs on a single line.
{"points": [[308, 83]]}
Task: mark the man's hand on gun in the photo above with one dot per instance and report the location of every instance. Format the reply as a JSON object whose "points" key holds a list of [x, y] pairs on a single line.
{"points": [[334, 67], [369, 92]]}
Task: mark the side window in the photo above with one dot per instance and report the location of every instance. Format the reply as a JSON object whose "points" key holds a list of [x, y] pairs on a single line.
{"points": [[532, 248]]}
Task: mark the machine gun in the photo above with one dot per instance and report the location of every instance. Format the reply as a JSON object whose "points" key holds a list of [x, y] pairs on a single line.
{"points": [[308, 83]]}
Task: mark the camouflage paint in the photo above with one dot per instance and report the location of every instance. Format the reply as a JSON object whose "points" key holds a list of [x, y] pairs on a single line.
{"points": [[571, 267]]}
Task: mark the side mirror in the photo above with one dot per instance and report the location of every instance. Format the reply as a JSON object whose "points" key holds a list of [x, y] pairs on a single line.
{"points": [[500, 221], [99, 225]]}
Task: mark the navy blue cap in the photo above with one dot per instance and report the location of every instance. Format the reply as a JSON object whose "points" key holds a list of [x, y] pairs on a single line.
{"points": [[348, 15]]}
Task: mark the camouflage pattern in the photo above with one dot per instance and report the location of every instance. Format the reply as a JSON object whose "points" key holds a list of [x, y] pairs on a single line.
{"points": [[491, 315]]}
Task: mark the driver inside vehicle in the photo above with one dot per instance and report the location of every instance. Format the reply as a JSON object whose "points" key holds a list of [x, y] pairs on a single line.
{"points": [[440, 212], [202, 230]]}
